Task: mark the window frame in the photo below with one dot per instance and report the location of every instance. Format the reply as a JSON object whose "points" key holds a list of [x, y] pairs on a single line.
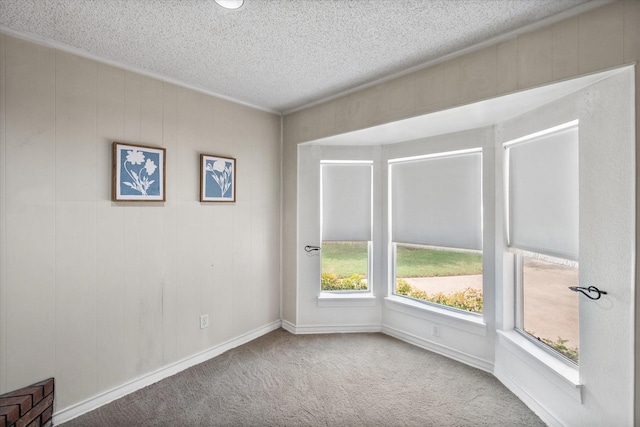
{"points": [[394, 248], [520, 253], [519, 327], [333, 293], [392, 245], [368, 278]]}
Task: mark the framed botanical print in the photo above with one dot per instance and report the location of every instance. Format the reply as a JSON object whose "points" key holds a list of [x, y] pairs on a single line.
{"points": [[217, 178], [138, 173]]}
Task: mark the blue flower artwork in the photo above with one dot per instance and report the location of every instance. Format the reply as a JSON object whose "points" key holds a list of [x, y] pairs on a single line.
{"points": [[218, 179], [139, 173]]}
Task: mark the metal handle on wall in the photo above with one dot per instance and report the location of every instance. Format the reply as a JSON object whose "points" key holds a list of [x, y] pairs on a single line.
{"points": [[309, 248], [587, 291]]}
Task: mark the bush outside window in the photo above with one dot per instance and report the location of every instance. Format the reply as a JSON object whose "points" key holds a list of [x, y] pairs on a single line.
{"points": [[345, 266], [452, 278]]}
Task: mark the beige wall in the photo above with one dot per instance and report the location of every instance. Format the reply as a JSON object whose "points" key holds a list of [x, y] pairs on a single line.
{"points": [[96, 293], [596, 40]]}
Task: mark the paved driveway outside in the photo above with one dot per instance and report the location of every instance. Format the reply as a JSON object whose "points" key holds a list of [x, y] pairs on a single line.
{"points": [[551, 309]]}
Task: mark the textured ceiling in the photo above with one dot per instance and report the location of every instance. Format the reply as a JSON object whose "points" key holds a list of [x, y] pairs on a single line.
{"points": [[278, 55]]}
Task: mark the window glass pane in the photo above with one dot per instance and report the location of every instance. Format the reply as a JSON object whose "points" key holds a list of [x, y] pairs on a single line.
{"points": [[345, 266], [550, 309], [449, 277]]}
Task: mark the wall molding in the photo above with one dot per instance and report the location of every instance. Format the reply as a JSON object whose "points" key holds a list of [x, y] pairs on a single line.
{"points": [[103, 398], [288, 326], [467, 359], [528, 400], [328, 329], [449, 352]]}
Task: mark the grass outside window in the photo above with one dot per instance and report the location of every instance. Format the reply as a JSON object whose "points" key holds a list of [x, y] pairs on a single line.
{"points": [[448, 277], [345, 266], [412, 261]]}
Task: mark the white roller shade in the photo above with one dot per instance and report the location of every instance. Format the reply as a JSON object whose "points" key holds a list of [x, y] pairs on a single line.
{"points": [[437, 201], [346, 201], [543, 193]]}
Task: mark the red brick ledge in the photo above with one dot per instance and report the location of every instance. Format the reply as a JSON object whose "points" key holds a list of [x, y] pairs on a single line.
{"points": [[28, 407]]}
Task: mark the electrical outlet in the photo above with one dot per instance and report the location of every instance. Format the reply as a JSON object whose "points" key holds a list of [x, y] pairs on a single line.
{"points": [[204, 321], [435, 331]]}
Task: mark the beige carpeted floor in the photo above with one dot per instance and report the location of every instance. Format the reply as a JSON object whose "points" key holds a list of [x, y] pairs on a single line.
{"points": [[282, 379]]}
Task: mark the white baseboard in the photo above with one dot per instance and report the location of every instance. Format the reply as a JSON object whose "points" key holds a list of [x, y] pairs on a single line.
{"points": [[528, 400], [101, 399], [328, 329], [288, 326], [449, 352], [403, 336]]}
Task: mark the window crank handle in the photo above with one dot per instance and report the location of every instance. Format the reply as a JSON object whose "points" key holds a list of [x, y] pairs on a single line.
{"points": [[586, 291]]}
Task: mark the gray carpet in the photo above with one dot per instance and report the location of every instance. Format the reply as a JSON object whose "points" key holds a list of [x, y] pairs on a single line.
{"points": [[282, 379]]}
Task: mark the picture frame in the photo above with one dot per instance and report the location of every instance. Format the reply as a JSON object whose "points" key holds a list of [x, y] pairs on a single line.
{"points": [[217, 178], [138, 173]]}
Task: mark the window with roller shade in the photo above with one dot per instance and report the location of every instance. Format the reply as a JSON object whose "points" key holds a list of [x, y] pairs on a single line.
{"points": [[346, 224], [542, 193], [435, 218]]}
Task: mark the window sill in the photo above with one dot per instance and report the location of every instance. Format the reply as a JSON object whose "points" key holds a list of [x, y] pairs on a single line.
{"points": [[472, 323], [564, 376], [332, 299]]}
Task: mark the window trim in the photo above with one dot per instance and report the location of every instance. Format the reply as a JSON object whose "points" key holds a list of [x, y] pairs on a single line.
{"points": [[565, 377], [394, 278], [325, 295], [518, 337], [393, 297], [328, 297], [518, 266], [350, 299]]}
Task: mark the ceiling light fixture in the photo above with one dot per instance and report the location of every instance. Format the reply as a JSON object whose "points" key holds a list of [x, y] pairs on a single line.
{"points": [[230, 4]]}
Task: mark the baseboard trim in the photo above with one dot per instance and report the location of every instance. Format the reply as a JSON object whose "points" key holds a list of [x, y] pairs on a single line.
{"points": [[101, 399], [288, 326], [528, 400], [328, 329], [449, 352]]}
